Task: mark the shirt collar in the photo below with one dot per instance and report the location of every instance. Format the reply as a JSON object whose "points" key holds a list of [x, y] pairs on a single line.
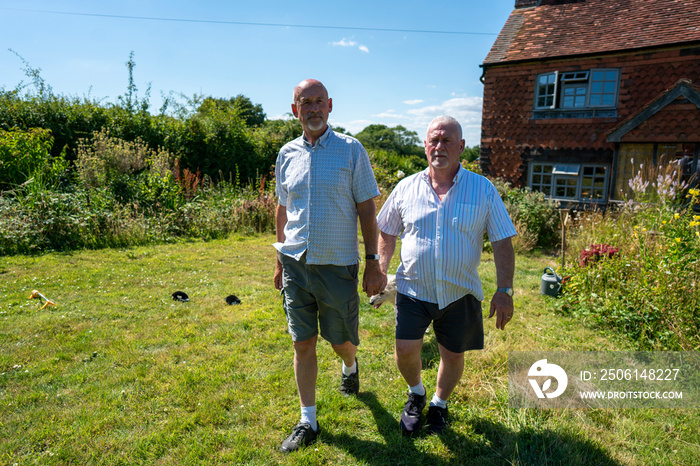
{"points": [[460, 174], [322, 141]]}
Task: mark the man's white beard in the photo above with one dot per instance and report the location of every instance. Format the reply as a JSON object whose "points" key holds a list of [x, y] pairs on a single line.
{"points": [[316, 125]]}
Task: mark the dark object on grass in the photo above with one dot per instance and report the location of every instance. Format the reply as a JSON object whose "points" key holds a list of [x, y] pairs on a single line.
{"points": [[180, 296], [232, 299]]}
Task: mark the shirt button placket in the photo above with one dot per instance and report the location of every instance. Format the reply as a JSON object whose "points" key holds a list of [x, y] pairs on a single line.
{"points": [[438, 245]]}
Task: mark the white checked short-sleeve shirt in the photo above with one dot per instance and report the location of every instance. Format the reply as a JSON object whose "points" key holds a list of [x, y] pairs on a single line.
{"points": [[441, 241], [320, 187]]}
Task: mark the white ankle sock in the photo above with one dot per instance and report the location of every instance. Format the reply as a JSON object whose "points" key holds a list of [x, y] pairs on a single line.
{"points": [[418, 389], [350, 370], [308, 414], [437, 401]]}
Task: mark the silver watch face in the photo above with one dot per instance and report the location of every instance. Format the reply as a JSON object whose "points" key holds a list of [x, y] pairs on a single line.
{"points": [[508, 291]]}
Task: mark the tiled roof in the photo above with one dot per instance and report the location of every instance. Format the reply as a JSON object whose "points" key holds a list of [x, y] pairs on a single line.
{"points": [[558, 28]]}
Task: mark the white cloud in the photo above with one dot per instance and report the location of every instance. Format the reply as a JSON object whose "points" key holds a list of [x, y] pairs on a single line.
{"points": [[413, 102], [344, 43], [467, 110], [354, 126], [389, 114], [464, 109], [350, 43]]}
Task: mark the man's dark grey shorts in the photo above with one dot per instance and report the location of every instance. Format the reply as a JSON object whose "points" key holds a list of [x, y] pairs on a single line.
{"points": [[322, 296], [459, 327]]}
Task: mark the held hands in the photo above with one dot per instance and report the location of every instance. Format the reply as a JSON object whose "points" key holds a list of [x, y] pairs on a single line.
{"points": [[502, 306], [373, 280], [278, 275]]}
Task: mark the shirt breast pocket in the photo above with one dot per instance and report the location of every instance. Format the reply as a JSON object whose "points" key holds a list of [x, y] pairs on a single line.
{"points": [[334, 176], [467, 218]]}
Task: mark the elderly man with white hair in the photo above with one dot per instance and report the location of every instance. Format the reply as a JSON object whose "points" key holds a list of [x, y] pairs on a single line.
{"points": [[442, 214]]}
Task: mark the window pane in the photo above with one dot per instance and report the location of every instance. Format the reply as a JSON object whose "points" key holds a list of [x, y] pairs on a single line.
{"points": [[603, 88], [547, 78], [545, 90], [566, 187], [574, 96]]}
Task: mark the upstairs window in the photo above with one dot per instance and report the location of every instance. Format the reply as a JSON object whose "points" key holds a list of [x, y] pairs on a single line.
{"points": [[577, 90], [546, 90]]}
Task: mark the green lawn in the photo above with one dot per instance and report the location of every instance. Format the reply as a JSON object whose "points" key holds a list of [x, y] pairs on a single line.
{"points": [[119, 373]]}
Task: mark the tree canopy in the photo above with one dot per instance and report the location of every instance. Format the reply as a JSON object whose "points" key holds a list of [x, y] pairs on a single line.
{"points": [[397, 139], [251, 113]]}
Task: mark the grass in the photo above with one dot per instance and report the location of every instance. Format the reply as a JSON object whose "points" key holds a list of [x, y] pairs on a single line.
{"points": [[119, 373]]}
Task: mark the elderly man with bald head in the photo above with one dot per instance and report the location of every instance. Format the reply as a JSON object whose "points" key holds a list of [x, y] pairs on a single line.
{"points": [[442, 215], [324, 184]]}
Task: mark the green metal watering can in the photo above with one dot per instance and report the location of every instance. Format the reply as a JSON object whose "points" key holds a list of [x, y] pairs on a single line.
{"points": [[551, 283]]}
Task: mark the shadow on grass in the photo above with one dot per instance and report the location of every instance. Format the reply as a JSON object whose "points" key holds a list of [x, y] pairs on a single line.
{"points": [[488, 443]]}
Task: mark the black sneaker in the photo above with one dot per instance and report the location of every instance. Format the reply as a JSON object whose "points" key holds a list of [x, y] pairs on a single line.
{"points": [[350, 384], [411, 415], [302, 435], [437, 419]]}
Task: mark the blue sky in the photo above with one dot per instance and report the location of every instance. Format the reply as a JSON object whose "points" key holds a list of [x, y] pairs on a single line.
{"points": [[376, 65]]}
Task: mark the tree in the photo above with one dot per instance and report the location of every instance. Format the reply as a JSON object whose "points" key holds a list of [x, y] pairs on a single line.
{"points": [[470, 153], [397, 139], [251, 114]]}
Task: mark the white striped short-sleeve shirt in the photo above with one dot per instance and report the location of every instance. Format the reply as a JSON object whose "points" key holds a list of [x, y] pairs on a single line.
{"points": [[441, 241], [320, 186]]}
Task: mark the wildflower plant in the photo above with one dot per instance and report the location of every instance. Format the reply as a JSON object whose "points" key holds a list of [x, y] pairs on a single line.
{"points": [[648, 285]]}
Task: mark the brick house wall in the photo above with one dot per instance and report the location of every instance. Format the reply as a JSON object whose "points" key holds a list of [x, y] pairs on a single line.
{"points": [[512, 136]]}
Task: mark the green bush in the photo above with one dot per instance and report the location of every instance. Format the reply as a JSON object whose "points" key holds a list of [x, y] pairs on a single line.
{"points": [[130, 170], [25, 156], [536, 218], [390, 167], [40, 221]]}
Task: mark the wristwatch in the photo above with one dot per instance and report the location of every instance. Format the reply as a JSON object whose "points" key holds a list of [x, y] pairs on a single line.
{"points": [[372, 257], [508, 291]]}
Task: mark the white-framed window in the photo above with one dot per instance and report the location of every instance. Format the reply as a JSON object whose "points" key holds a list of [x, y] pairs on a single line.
{"points": [[546, 91], [570, 181], [576, 90]]}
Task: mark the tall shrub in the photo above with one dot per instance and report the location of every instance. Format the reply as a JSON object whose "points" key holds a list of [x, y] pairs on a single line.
{"points": [[535, 216], [25, 157], [130, 170]]}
